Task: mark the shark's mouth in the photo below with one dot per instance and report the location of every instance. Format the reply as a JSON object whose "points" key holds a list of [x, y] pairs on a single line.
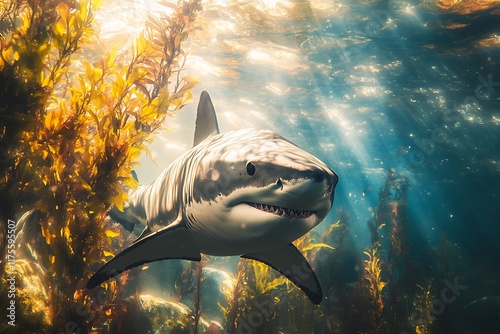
{"points": [[283, 212]]}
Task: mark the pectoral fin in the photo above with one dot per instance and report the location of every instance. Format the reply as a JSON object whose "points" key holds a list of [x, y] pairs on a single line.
{"points": [[289, 261], [171, 242]]}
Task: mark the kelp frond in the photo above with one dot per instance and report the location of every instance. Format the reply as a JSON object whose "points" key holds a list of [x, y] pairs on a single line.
{"points": [[71, 132], [422, 316], [372, 275]]}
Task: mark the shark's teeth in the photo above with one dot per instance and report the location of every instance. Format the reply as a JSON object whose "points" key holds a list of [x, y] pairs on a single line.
{"points": [[283, 212]]}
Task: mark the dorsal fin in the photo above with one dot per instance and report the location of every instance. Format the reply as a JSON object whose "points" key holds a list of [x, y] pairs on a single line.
{"points": [[206, 120]]}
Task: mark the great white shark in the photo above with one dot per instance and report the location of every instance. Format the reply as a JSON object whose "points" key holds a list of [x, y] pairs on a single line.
{"points": [[247, 192]]}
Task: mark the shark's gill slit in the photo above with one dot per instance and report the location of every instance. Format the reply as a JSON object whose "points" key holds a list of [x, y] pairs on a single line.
{"points": [[280, 211]]}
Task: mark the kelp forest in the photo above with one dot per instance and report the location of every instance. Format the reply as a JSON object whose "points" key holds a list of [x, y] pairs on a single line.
{"points": [[73, 124]]}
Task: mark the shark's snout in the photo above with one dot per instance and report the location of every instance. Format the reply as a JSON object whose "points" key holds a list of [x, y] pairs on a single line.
{"points": [[324, 175], [317, 176], [331, 189], [326, 180]]}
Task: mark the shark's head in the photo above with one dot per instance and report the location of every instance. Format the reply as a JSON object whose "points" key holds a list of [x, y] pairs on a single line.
{"points": [[253, 186]]}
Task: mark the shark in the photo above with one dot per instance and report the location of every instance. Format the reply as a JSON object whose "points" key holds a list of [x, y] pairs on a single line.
{"points": [[247, 192]]}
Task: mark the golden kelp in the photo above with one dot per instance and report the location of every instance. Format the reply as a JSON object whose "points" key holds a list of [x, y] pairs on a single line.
{"points": [[372, 276], [71, 132]]}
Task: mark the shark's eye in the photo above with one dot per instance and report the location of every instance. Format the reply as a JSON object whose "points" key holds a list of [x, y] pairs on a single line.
{"points": [[250, 168]]}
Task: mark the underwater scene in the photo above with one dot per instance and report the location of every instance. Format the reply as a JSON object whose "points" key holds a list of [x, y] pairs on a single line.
{"points": [[238, 166]]}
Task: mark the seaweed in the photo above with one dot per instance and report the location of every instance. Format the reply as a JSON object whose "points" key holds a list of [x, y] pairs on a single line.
{"points": [[372, 276], [233, 299], [384, 293], [260, 285], [197, 299], [391, 295], [71, 132], [422, 317]]}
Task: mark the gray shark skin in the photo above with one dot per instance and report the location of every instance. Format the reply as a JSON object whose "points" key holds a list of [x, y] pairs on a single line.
{"points": [[246, 192]]}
